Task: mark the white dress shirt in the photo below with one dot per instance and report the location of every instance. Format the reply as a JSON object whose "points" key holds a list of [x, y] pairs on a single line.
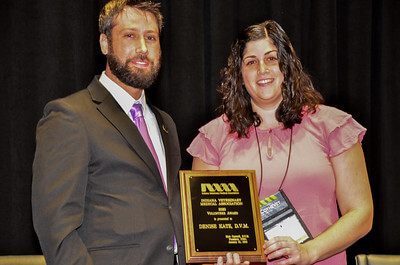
{"points": [[126, 102]]}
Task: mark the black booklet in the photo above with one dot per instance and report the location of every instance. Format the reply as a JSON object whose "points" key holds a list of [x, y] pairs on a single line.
{"points": [[280, 218]]}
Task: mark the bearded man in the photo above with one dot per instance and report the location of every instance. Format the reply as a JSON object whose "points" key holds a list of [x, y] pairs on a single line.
{"points": [[105, 175]]}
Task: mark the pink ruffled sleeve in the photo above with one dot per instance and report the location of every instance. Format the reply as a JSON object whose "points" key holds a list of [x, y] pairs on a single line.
{"points": [[208, 143], [341, 130]]}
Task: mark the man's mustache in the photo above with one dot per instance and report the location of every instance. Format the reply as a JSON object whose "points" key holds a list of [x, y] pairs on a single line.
{"points": [[141, 57]]}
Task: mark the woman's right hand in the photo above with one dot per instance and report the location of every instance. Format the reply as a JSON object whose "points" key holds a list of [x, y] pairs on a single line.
{"points": [[231, 260]]}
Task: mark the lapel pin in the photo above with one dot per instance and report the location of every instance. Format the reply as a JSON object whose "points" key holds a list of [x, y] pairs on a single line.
{"points": [[164, 129]]}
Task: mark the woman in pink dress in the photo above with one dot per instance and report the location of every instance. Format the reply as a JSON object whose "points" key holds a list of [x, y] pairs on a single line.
{"points": [[273, 121]]}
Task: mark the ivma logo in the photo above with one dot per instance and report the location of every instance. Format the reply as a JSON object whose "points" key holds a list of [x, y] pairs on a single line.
{"points": [[218, 187]]}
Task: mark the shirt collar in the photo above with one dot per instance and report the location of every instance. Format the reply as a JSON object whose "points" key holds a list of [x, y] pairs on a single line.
{"points": [[125, 100]]}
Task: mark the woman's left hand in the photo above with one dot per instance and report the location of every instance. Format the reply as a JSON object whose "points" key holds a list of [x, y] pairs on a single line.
{"points": [[283, 250]]}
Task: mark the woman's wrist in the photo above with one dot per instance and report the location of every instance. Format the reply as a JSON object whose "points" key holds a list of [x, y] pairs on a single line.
{"points": [[312, 251]]}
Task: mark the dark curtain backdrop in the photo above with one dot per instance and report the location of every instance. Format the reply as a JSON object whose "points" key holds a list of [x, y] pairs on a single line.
{"points": [[351, 49]]}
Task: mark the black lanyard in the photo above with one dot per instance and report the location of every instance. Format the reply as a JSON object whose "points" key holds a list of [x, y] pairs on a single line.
{"points": [[261, 164]]}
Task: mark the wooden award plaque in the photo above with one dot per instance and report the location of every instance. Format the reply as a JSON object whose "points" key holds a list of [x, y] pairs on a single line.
{"points": [[221, 214]]}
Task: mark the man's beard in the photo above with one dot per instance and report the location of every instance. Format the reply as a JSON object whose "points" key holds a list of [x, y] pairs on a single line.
{"points": [[137, 78]]}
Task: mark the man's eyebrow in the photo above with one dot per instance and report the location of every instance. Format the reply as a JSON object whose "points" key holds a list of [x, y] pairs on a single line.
{"points": [[137, 30]]}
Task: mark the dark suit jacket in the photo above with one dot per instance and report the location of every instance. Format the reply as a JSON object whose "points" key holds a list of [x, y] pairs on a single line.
{"points": [[97, 194]]}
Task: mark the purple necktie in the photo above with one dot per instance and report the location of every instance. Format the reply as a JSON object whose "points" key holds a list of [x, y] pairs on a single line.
{"points": [[138, 120]]}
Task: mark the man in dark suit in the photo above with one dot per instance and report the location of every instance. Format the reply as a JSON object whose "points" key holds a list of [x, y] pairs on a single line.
{"points": [[100, 194]]}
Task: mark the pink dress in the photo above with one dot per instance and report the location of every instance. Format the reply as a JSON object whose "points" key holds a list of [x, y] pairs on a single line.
{"points": [[310, 180]]}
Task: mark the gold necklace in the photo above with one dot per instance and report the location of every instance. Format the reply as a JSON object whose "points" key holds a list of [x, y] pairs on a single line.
{"points": [[269, 145]]}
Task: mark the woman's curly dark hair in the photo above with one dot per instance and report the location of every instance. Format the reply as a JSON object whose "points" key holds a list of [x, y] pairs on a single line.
{"points": [[297, 89]]}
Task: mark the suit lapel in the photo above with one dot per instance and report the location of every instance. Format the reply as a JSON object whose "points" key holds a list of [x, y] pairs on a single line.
{"points": [[166, 143], [110, 109]]}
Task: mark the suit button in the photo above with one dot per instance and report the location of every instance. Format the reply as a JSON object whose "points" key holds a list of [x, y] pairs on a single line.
{"points": [[169, 248]]}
